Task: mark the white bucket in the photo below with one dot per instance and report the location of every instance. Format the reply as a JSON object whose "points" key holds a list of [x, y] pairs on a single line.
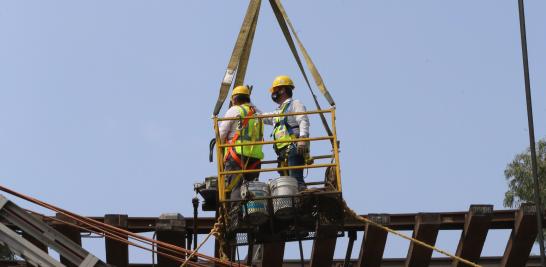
{"points": [[255, 211], [284, 207]]}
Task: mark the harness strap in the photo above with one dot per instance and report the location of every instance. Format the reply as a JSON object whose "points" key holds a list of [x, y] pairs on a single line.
{"points": [[282, 18], [234, 61], [231, 151], [284, 120], [237, 178]]}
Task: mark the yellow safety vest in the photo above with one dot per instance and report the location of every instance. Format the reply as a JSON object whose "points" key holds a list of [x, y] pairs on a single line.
{"points": [[282, 131], [248, 130]]}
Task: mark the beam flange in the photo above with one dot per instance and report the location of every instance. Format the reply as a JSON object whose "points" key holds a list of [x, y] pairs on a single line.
{"points": [[273, 254], [477, 223], [373, 243], [522, 237], [426, 229], [324, 245]]}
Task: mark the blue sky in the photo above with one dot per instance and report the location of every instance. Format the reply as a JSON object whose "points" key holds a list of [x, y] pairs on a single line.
{"points": [[105, 106]]}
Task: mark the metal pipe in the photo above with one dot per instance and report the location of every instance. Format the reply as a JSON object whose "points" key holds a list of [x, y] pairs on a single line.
{"points": [[278, 169], [276, 115], [538, 201], [276, 141], [195, 202], [313, 158]]}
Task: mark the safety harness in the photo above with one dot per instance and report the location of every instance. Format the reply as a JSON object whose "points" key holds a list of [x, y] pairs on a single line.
{"points": [[231, 152], [282, 130]]}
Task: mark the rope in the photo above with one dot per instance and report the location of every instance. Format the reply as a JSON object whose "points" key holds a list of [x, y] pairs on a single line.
{"points": [[197, 248], [214, 232], [353, 214]]}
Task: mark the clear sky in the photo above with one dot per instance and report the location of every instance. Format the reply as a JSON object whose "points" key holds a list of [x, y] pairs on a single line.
{"points": [[105, 106]]}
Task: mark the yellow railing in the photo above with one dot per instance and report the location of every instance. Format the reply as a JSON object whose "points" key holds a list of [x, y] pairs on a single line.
{"points": [[220, 149]]}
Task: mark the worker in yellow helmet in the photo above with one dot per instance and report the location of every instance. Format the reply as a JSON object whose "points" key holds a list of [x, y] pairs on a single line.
{"points": [[289, 127], [239, 132]]}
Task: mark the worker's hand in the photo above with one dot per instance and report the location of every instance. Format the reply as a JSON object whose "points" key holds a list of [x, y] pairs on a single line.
{"points": [[302, 147]]}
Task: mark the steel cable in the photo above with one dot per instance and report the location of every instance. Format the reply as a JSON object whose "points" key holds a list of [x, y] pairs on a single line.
{"points": [[103, 226]]}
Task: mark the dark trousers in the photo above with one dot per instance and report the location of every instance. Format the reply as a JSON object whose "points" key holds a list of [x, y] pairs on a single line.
{"points": [[290, 155], [231, 165]]}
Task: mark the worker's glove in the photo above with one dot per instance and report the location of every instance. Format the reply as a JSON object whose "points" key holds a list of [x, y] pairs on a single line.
{"points": [[302, 147]]}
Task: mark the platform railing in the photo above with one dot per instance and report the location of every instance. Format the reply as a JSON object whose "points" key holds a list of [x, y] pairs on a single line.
{"points": [[221, 146]]}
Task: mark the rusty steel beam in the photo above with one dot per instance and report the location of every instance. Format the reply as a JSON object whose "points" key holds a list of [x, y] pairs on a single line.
{"points": [[500, 219], [476, 227], [69, 231], [117, 253], [394, 262], [171, 229], [273, 254], [373, 243], [522, 237], [426, 229], [324, 245]]}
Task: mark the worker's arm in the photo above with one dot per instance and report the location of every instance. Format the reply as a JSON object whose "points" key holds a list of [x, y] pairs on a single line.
{"points": [[225, 126], [302, 120], [268, 121]]}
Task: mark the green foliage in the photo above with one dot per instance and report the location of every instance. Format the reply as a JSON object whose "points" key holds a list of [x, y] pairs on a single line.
{"points": [[519, 176]]}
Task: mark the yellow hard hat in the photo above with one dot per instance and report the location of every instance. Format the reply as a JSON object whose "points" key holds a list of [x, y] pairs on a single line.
{"points": [[282, 80], [240, 90]]}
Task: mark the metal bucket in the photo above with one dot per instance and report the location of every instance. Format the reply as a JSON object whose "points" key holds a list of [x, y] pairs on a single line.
{"points": [[284, 207], [255, 211]]}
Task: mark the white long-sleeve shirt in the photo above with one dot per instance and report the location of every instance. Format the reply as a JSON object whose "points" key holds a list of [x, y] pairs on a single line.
{"points": [[300, 122], [228, 128]]}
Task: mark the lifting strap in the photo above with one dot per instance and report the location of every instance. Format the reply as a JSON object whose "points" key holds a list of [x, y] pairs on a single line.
{"points": [[282, 19], [314, 71], [242, 40], [243, 62]]}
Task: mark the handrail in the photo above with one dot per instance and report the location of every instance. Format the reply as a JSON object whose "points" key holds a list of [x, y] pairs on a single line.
{"points": [[220, 150], [312, 158], [277, 141], [300, 167], [262, 116]]}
